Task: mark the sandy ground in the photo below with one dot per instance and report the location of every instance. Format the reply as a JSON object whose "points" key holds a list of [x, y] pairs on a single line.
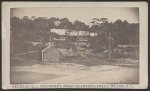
{"points": [[72, 73]]}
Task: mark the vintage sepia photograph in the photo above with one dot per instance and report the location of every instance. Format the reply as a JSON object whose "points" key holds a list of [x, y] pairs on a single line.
{"points": [[75, 45]]}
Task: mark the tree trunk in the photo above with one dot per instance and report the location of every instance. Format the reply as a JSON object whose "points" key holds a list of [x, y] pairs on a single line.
{"points": [[109, 46]]}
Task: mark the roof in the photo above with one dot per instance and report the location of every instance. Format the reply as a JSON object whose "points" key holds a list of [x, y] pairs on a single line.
{"points": [[59, 31], [72, 33], [47, 47]]}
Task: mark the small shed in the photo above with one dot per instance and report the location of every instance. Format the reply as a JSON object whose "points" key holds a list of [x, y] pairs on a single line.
{"points": [[51, 54]]}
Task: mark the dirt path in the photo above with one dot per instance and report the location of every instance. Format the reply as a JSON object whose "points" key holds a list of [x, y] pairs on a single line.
{"points": [[75, 73]]}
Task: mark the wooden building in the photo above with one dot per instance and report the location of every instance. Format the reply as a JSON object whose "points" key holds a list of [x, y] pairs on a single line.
{"points": [[51, 54]]}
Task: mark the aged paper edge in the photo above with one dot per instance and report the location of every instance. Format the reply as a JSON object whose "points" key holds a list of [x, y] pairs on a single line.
{"points": [[143, 11]]}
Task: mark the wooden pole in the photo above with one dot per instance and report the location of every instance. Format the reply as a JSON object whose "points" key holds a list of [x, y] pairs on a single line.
{"points": [[50, 37], [109, 38], [12, 50], [78, 41]]}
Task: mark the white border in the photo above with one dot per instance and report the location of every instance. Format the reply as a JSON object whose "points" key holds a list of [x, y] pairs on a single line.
{"points": [[143, 8]]}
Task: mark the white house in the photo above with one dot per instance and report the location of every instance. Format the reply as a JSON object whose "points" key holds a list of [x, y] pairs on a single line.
{"points": [[72, 32]]}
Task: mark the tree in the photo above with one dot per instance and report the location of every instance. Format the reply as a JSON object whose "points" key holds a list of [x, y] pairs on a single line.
{"points": [[52, 21], [65, 24], [122, 28], [79, 26], [100, 26], [18, 34]]}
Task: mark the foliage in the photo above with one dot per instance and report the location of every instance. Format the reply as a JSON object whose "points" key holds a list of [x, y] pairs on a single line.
{"points": [[38, 30]]}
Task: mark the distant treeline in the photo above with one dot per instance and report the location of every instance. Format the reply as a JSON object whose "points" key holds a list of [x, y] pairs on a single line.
{"points": [[38, 30]]}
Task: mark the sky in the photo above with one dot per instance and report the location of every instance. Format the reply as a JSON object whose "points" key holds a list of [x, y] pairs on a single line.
{"points": [[84, 14]]}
